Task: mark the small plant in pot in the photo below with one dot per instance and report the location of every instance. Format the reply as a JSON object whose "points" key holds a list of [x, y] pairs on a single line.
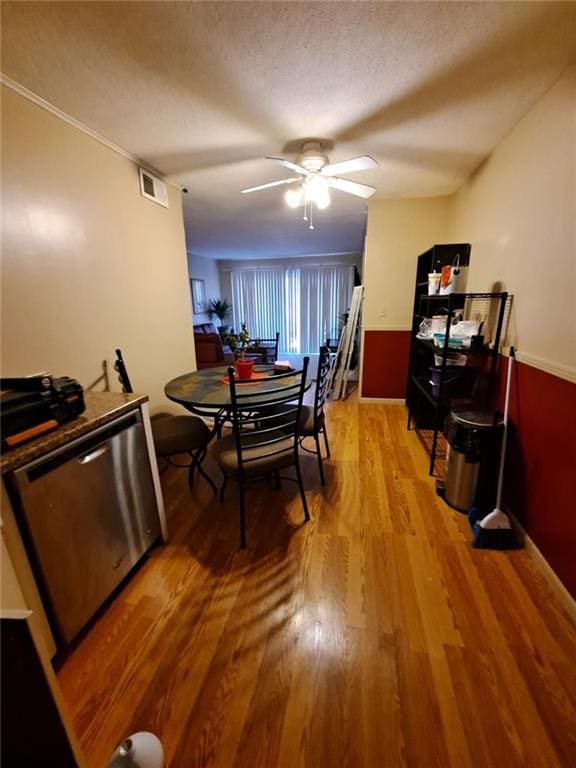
{"points": [[222, 309], [239, 343]]}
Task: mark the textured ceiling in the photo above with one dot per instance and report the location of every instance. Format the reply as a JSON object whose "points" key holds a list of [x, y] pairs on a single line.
{"points": [[203, 91]]}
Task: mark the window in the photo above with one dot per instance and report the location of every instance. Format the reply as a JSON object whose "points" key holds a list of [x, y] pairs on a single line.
{"points": [[303, 303]]}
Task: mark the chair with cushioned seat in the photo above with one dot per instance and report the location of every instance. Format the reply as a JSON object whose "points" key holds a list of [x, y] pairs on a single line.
{"points": [[262, 443], [312, 420], [175, 435]]}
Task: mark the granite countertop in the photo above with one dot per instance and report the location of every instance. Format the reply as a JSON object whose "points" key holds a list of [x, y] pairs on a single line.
{"points": [[101, 407]]}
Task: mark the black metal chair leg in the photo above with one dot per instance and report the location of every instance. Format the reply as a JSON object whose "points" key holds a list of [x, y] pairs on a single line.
{"points": [[326, 442], [219, 420], [223, 488], [301, 488], [196, 464], [196, 458], [207, 477], [242, 517], [319, 457]]}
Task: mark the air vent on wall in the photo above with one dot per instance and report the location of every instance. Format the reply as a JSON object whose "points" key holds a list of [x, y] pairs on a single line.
{"points": [[152, 188]]}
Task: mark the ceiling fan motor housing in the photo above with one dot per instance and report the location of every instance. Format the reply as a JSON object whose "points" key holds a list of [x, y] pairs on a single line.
{"points": [[312, 157]]}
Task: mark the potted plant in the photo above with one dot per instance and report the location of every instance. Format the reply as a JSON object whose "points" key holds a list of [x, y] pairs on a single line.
{"points": [[220, 308], [239, 343]]}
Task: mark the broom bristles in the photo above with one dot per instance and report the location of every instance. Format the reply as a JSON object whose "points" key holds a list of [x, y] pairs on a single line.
{"points": [[492, 531], [495, 538]]}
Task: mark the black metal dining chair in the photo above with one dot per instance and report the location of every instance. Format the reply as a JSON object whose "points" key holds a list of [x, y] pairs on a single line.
{"points": [[262, 443], [268, 348], [175, 435], [312, 418]]}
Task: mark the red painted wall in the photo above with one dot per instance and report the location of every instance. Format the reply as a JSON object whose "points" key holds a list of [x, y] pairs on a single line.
{"points": [[540, 480], [385, 363]]}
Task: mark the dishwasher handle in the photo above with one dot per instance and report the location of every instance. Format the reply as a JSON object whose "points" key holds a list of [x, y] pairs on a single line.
{"points": [[83, 450], [88, 457]]}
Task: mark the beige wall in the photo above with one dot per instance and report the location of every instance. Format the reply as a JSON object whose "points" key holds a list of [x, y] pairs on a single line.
{"points": [[205, 269], [88, 264], [398, 231], [519, 212]]}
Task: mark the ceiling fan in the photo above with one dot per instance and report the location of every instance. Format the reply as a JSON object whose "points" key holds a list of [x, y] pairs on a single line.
{"points": [[316, 175]]}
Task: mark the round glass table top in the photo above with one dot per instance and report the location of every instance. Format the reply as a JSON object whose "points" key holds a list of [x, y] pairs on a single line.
{"points": [[208, 390]]}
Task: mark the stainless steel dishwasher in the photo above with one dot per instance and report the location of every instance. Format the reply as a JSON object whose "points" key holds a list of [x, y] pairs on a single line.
{"points": [[89, 513]]}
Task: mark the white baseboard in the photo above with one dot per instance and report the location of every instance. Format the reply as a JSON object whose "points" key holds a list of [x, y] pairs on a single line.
{"points": [[382, 400], [565, 598], [542, 565]]}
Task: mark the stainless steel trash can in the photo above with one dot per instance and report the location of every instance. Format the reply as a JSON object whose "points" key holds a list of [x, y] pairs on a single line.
{"points": [[472, 442]]}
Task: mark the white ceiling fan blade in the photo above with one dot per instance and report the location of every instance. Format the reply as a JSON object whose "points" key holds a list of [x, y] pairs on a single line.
{"points": [[360, 190], [271, 184], [363, 163], [288, 164]]}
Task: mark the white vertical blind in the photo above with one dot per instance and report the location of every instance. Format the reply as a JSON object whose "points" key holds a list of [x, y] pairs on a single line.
{"points": [[325, 293], [303, 303]]}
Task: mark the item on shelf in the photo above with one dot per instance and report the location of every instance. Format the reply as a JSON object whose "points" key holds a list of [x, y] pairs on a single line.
{"points": [[456, 381], [440, 340], [439, 323], [453, 278], [463, 330], [433, 283], [477, 342], [477, 339], [425, 329], [453, 358]]}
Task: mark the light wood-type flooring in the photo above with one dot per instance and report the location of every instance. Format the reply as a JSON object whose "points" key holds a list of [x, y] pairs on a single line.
{"points": [[372, 636]]}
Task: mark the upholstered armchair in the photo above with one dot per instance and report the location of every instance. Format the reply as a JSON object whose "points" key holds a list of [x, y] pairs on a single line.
{"points": [[210, 351]]}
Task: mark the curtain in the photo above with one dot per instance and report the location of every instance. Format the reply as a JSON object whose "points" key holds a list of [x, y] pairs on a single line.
{"points": [[259, 299], [303, 303], [325, 293]]}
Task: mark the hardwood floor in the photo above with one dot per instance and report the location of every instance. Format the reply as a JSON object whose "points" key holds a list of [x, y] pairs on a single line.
{"points": [[372, 636]]}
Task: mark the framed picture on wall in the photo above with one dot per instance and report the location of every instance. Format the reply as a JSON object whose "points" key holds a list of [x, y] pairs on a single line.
{"points": [[198, 296]]}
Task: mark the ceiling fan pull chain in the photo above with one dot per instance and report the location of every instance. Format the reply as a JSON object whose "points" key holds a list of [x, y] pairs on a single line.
{"points": [[311, 216], [305, 217]]}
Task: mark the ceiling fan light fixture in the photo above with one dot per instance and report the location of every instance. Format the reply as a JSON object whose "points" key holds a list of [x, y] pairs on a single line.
{"points": [[316, 190], [323, 200], [294, 197], [315, 185], [316, 176]]}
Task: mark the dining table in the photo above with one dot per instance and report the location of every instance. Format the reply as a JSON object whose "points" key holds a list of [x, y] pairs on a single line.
{"points": [[207, 392]]}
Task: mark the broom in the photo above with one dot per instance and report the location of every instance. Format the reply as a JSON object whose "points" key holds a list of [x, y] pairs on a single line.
{"points": [[494, 530]]}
